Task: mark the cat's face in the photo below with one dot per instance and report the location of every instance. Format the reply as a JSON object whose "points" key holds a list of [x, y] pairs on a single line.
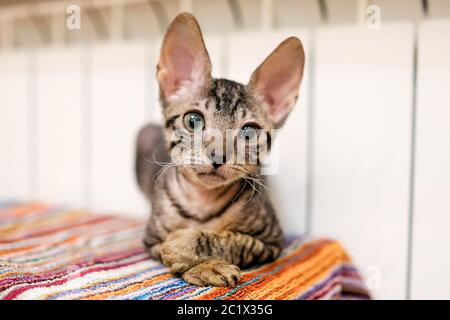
{"points": [[219, 135], [218, 131]]}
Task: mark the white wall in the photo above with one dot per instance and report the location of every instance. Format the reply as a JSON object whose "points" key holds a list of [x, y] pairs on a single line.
{"points": [[431, 239], [362, 152], [16, 125], [59, 123], [121, 95]]}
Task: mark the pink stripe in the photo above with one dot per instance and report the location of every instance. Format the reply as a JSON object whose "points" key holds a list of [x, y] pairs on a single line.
{"points": [[14, 293], [327, 288], [55, 230], [9, 214], [338, 279], [56, 274]]}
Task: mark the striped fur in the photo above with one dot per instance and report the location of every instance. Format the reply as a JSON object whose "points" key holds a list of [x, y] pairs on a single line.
{"points": [[49, 252], [212, 217]]}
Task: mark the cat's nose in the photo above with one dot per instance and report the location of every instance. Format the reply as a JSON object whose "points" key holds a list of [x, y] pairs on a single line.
{"points": [[216, 165], [217, 160]]}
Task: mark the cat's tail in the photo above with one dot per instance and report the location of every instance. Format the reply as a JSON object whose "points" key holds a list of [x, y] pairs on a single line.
{"points": [[151, 156]]}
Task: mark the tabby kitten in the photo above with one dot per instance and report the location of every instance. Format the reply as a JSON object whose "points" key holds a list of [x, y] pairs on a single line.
{"points": [[207, 221]]}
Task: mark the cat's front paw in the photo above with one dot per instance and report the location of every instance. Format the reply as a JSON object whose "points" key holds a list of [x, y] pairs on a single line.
{"points": [[178, 251], [213, 273]]}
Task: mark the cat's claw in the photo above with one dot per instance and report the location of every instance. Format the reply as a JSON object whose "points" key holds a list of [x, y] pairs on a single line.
{"points": [[213, 273]]}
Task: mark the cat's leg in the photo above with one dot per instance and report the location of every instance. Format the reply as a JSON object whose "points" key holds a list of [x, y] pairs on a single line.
{"points": [[210, 258], [154, 251], [153, 239]]}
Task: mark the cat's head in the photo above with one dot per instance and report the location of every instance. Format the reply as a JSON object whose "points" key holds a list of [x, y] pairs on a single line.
{"points": [[216, 130]]}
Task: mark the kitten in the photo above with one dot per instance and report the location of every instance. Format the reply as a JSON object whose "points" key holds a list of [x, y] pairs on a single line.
{"points": [[207, 221]]}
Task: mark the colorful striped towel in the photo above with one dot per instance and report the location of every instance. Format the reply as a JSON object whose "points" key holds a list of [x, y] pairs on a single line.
{"points": [[49, 252]]}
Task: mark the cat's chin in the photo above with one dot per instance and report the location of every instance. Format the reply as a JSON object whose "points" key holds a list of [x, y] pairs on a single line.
{"points": [[212, 179]]}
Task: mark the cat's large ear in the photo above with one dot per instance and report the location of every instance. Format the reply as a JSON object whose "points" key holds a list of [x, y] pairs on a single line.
{"points": [[184, 65], [277, 80]]}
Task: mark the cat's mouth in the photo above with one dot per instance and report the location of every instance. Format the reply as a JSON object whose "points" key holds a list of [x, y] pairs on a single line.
{"points": [[213, 174], [212, 177]]}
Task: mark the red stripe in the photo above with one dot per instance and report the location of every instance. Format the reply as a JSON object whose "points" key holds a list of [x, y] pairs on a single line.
{"points": [[325, 289], [55, 230], [338, 278], [18, 211], [54, 275], [14, 293]]}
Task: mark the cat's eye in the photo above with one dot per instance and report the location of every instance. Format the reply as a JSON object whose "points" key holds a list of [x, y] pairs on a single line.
{"points": [[248, 133], [194, 121]]}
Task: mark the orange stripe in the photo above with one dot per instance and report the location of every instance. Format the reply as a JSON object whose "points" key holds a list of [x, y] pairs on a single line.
{"points": [[6, 251], [21, 210], [317, 245], [25, 248], [79, 250], [264, 288], [303, 276], [24, 227], [320, 268], [55, 230], [301, 284], [80, 257], [274, 284], [129, 289]]}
